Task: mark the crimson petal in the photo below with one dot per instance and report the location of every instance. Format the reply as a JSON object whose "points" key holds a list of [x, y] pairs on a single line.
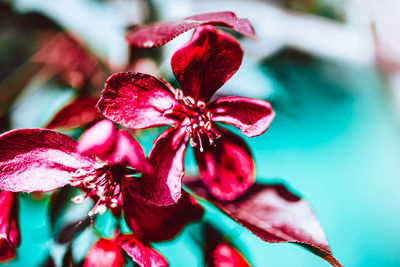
{"points": [[226, 167], [162, 187], [143, 255], [157, 34], [224, 255], [104, 253], [128, 150], [275, 215], [206, 62], [39, 160], [7, 252], [79, 112], [98, 140], [251, 116], [136, 100], [155, 223], [218, 253], [9, 230]]}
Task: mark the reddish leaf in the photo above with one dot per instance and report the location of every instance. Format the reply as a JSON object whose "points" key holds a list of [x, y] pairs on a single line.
{"points": [[251, 116], [9, 230], [104, 253], [157, 34], [79, 112], [275, 215], [39, 160], [155, 223], [226, 167], [162, 187], [143, 255], [136, 100], [204, 64]]}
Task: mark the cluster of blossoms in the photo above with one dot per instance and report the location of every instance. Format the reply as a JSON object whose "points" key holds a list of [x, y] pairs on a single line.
{"points": [[110, 167]]}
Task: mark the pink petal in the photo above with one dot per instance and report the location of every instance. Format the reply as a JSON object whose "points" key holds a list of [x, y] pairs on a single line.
{"points": [[9, 230], [251, 116], [129, 151], [39, 160], [155, 223], [275, 215], [162, 187], [157, 34], [143, 255], [136, 100], [206, 62], [98, 140], [112, 145], [104, 253], [78, 113], [226, 167], [227, 256]]}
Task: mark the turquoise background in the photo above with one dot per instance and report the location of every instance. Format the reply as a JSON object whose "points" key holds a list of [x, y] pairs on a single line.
{"points": [[335, 141]]}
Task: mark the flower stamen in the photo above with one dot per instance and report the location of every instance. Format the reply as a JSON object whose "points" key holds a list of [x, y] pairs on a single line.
{"points": [[103, 184]]}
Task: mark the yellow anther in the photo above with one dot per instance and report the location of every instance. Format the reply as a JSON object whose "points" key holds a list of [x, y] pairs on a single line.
{"points": [[201, 104]]}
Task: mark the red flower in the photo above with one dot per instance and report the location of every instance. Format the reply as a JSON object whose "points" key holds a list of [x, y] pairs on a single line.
{"points": [[108, 253], [201, 67], [9, 232], [43, 160]]}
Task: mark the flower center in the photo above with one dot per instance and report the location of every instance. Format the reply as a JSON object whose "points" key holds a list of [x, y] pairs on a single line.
{"points": [[195, 117], [103, 185]]}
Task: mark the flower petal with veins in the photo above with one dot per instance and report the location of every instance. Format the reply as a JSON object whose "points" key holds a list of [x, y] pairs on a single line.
{"points": [[162, 186], [226, 167], [204, 64], [251, 116], [39, 160], [136, 100]]}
